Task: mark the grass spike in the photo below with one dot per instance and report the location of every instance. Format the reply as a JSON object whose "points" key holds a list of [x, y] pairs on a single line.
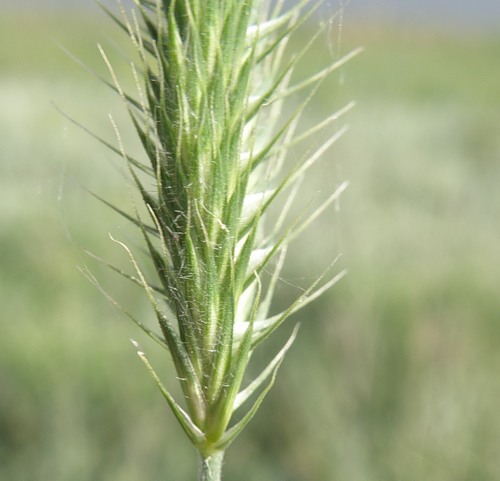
{"points": [[212, 79]]}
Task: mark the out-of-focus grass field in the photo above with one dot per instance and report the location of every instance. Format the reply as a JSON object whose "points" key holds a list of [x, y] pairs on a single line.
{"points": [[395, 374]]}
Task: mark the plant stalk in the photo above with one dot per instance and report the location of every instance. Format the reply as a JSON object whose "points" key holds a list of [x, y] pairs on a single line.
{"points": [[211, 467]]}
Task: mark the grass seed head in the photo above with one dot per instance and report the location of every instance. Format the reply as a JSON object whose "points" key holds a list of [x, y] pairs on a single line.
{"points": [[212, 80]]}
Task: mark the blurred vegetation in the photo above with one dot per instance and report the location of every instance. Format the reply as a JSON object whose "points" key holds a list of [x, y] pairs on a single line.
{"points": [[394, 376]]}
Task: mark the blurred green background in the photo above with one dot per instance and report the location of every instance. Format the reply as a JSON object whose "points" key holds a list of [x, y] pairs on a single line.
{"points": [[395, 374]]}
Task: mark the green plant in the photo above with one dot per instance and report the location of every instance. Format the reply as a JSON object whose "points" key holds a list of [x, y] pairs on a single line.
{"points": [[210, 89]]}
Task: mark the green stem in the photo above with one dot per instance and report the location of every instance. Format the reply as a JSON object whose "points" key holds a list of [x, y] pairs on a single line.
{"points": [[211, 467]]}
